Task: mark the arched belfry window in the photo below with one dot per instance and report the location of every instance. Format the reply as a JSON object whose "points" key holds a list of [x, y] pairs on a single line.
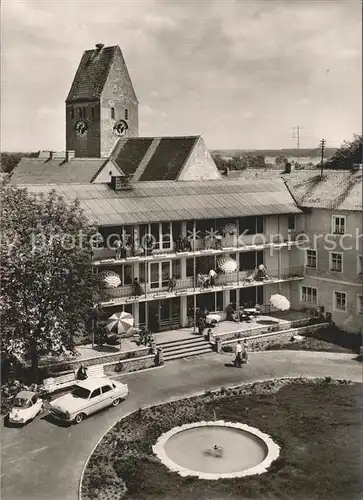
{"points": [[126, 114], [112, 113]]}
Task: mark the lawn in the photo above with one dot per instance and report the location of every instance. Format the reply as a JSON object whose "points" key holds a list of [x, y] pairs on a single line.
{"points": [[317, 424]]}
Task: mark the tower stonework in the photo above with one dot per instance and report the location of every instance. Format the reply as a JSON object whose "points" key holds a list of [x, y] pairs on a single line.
{"points": [[102, 105]]}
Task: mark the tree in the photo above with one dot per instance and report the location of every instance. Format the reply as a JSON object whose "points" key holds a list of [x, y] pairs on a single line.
{"points": [[237, 163], [347, 155], [10, 160], [48, 285]]}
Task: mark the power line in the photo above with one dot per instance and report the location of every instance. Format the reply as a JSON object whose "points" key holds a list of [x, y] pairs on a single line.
{"points": [[296, 135]]}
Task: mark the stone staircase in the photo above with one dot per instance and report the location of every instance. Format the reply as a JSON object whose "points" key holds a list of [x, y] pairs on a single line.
{"points": [[183, 348]]}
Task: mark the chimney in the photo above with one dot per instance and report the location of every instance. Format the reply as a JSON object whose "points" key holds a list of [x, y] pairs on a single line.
{"points": [[70, 155], [51, 154]]}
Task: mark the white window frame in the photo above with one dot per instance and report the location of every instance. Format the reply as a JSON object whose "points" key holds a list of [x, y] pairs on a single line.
{"points": [[335, 302], [302, 294], [306, 258], [359, 264], [331, 262], [333, 223]]}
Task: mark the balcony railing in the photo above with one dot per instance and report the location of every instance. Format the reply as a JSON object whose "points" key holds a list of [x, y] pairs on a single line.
{"points": [[190, 286], [230, 242]]}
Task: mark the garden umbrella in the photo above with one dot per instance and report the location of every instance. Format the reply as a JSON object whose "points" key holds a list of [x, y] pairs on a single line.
{"points": [[227, 264], [121, 322], [111, 279], [280, 302]]}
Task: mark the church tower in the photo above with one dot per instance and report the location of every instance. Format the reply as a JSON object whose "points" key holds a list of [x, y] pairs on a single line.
{"points": [[102, 105]]}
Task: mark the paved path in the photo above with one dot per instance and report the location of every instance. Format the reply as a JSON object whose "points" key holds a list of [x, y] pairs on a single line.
{"points": [[43, 461]]}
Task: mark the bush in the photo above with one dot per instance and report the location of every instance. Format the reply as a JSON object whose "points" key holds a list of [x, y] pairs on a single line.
{"points": [[227, 348], [112, 340], [119, 367]]}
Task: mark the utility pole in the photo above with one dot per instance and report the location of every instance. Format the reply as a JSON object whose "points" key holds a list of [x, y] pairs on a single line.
{"points": [[322, 147]]}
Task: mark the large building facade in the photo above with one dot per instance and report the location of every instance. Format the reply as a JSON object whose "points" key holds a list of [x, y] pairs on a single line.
{"points": [[179, 222]]}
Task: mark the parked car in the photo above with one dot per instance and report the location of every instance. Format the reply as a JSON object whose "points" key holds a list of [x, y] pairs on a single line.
{"points": [[26, 406], [87, 397]]}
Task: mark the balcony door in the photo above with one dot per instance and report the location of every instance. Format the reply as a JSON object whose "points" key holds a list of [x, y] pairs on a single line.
{"points": [[160, 273]]}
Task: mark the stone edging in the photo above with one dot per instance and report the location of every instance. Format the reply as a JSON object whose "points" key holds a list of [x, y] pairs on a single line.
{"points": [[180, 398], [273, 451]]}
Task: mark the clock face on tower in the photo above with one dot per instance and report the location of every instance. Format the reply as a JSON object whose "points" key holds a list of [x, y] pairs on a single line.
{"points": [[120, 128], [81, 128]]}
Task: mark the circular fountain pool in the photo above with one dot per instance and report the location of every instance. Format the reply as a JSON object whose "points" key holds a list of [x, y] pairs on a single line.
{"points": [[213, 450]]}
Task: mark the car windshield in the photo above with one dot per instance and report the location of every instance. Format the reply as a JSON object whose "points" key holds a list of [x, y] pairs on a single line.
{"points": [[80, 392], [21, 403]]}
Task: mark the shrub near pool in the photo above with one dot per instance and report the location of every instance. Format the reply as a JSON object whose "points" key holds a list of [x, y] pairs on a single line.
{"points": [[316, 424]]}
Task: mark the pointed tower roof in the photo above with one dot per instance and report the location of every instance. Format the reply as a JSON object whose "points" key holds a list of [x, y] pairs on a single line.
{"points": [[92, 73]]}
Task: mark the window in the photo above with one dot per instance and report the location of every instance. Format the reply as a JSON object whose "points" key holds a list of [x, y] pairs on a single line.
{"points": [[190, 268], [340, 301], [80, 113], [95, 393], [336, 262], [360, 304], [311, 258], [219, 301], [360, 264], [35, 398], [106, 388], [84, 112], [309, 295], [93, 112], [165, 235], [292, 222], [126, 114], [176, 269], [112, 113], [72, 112], [338, 224]]}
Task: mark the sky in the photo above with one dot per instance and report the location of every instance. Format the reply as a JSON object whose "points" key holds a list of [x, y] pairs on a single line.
{"points": [[240, 73]]}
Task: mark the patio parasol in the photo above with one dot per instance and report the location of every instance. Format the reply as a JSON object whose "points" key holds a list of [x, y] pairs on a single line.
{"points": [[227, 265], [111, 279], [121, 322], [280, 302]]}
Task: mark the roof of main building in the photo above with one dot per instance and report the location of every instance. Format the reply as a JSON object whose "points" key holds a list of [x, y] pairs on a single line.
{"points": [[169, 200]]}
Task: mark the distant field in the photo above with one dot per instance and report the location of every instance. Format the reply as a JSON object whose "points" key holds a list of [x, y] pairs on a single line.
{"points": [[311, 153]]}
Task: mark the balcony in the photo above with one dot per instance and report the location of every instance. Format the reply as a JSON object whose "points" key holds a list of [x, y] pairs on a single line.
{"points": [[187, 286], [199, 247]]}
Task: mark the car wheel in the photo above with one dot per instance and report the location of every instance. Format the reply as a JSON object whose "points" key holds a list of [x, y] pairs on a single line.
{"points": [[79, 418], [115, 402]]}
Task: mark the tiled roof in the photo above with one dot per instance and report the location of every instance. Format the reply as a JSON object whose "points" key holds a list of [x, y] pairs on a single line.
{"points": [[337, 190], [56, 171], [128, 153], [168, 159], [168, 200], [92, 74]]}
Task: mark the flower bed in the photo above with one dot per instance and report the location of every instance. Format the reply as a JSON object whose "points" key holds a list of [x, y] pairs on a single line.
{"points": [[316, 424]]}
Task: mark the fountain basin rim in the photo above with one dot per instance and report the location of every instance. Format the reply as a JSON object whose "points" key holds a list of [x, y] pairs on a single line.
{"points": [[273, 450]]}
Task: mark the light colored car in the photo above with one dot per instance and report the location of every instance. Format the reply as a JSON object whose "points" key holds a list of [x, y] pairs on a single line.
{"points": [[87, 397], [26, 406]]}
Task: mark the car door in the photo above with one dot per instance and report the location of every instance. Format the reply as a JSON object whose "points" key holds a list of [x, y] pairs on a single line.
{"points": [[35, 405], [107, 393], [95, 401]]}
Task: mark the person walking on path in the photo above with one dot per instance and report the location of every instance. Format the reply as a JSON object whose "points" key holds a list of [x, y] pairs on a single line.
{"points": [[244, 352], [238, 352]]}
